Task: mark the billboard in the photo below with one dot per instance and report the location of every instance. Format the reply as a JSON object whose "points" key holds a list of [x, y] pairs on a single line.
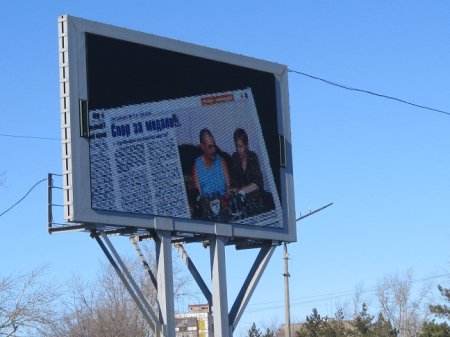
{"points": [[159, 133]]}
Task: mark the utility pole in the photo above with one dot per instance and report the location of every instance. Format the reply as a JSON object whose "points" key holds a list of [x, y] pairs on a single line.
{"points": [[287, 309], [287, 313]]}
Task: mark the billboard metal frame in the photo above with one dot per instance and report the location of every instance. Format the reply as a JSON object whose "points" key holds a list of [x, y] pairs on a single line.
{"points": [[78, 212]]}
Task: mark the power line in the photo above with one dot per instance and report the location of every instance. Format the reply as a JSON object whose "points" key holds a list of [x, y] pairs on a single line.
{"points": [[368, 92], [316, 299], [21, 199], [29, 137], [342, 86]]}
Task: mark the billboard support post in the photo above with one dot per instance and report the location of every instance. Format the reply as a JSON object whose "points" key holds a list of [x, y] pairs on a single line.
{"points": [[162, 322], [219, 287], [165, 283]]}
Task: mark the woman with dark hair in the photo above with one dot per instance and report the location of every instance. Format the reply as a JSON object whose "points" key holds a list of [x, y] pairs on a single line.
{"points": [[246, 175]]}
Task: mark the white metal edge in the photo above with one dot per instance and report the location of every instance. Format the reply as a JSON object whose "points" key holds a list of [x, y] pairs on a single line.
{"points": [[66, 147], [77, 176]]}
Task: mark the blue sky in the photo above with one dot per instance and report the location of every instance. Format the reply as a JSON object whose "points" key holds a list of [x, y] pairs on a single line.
{"points": [[383, 164]]}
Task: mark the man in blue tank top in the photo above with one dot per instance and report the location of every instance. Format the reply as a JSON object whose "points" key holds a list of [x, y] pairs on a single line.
{"points": [[211, 174]]}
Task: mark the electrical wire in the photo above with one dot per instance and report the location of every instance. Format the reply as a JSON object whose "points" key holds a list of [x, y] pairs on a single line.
{"points": [[342, 86], [316, 299], [21, 199], [28, 137]]}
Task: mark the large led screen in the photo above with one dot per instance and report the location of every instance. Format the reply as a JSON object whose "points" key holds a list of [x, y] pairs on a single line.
{"points": [[155, 128], [200, 157]]}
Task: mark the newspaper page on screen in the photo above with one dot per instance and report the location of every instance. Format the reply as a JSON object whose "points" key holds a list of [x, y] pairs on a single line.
{"points": [[201, 157]]}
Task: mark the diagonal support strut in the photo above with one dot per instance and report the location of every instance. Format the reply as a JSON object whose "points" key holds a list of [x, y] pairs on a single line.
{"points": [[127, 280], [250, 284], [194, 272]]}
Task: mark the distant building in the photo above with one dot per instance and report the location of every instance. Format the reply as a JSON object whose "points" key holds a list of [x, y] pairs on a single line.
{"points": [[198, 322]]}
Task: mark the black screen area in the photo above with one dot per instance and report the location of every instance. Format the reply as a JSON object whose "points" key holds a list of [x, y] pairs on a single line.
{"points": [[123, 73]]}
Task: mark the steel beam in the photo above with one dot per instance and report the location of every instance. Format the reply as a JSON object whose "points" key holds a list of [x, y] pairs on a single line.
{"points": [[250, 284], [219, 287], [165, 282], [194, 272], [127, 280]]}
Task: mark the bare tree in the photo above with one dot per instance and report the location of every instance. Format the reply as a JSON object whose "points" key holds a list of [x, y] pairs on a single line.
{"points": [[405, 307], [272, 328], [358, 299], [27, 304], [104, 308], [101, 308]]}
